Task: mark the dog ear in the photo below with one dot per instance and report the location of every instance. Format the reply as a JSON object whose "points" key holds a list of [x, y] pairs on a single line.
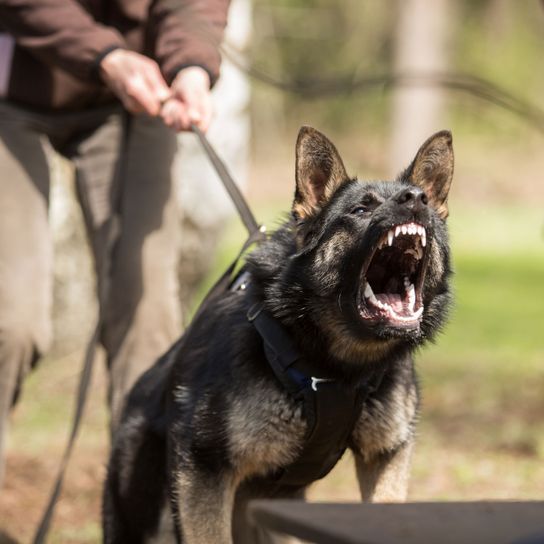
{"points": [[319, 172], [432, 170]]}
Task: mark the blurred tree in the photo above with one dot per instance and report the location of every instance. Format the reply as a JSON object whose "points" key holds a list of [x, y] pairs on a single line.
{"points": [[422, 46], [306, 40], [298, 40]]}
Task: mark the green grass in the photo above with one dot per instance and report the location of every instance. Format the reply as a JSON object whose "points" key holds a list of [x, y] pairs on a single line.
{"points": [[498, 313], [483, 381], [498, 308]]}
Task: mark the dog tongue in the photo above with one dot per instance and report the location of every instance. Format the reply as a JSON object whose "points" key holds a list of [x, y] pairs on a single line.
{"points": [[392, 300]]}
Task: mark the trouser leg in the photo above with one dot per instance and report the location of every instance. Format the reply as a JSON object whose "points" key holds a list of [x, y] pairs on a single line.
{"points": [[141, 310], [25, 257]]}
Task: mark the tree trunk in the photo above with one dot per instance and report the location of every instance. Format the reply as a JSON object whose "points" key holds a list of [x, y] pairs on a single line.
{"points": [[422, 39]]}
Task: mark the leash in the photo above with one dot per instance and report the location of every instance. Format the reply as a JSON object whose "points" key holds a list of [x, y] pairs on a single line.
{"points": [[229, 184], [256, 233]]}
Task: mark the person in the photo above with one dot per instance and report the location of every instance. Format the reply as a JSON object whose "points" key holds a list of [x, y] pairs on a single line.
{"points": [[107, 84]]}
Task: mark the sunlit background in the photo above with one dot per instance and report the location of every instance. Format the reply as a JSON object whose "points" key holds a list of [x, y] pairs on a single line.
{"points": [[377, 77]]}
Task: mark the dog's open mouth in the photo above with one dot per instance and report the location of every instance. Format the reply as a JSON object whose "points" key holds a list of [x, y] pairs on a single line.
{"points": [[392, 278]]}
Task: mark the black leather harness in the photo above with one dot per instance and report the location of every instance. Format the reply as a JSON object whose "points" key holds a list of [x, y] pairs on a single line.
{"points": [[331, 407]]}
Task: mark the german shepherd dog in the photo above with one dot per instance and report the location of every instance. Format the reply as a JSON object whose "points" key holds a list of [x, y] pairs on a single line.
{"points": [[355, 281]]}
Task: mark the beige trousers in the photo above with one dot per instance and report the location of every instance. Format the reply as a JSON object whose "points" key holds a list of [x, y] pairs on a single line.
{"points": [[141, 313]]}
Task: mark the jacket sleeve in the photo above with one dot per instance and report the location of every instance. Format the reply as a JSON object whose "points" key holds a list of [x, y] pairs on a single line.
{"points": [[60, 33], [188, 33]]}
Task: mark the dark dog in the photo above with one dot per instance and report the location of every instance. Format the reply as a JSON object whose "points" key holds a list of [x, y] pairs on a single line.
{"points": [[307, 355]]}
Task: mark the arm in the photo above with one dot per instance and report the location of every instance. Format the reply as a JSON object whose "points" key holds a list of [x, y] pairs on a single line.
{"points": [[59, 32], [188, 33], [191, 101], [136, 80], [187, 38], [62, 33]]}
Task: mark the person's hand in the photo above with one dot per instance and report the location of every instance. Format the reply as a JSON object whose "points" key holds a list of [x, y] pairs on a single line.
{"points": [[191, 100], [136, 80]]}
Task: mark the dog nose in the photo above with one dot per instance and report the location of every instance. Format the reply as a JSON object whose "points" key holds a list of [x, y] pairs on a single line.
{"points": [[413, 198]]}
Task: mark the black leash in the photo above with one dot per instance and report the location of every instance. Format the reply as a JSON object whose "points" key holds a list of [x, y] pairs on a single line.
{"points": [[256, 233], [229, 184], [81, 400]]}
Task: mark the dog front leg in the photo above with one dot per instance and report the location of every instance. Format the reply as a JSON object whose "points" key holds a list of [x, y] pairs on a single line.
{"points": [[204, 504], [385, 477]]}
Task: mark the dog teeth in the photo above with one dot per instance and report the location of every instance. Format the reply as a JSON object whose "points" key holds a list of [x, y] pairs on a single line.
{"points": [[411, 292], [411, 296], [387, 308], [390, 236], [369, 294], [409, 228]]}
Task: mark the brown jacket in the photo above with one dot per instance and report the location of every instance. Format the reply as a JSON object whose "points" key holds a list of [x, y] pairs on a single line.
{"points": [[58, 44]]}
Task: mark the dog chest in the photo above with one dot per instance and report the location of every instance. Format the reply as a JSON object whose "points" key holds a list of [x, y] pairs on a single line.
{"points": [[265, 429]]}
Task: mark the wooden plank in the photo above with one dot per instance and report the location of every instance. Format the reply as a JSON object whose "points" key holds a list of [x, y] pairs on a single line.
{"points": [[410, 523]]}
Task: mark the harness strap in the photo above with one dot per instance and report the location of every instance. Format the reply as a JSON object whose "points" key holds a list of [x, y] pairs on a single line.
{"points": [[280, 351], [331, 407]]}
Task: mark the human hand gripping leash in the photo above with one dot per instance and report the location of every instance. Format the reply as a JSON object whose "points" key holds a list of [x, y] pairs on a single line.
{"points": [[256, 233]]}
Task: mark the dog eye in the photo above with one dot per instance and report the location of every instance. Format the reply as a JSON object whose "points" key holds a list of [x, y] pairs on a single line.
{"points": [[359, 210]]}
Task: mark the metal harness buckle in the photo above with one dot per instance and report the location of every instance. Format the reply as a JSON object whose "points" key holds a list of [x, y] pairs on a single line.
{"points": [[315, 381], [254, 311]]}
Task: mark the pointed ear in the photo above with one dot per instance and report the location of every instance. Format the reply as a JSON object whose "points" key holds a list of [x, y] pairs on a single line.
{"points": [[319, 172], [432, 170]]}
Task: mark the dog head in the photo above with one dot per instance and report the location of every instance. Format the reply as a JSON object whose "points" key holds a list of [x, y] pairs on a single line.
{"points": [[370, 263]]}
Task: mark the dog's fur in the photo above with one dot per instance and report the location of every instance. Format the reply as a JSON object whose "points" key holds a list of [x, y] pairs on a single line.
{"points": [[205, 428]]}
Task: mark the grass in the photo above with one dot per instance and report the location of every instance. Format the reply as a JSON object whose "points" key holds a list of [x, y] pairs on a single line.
{"points": [[482, 425], [483, 382]]}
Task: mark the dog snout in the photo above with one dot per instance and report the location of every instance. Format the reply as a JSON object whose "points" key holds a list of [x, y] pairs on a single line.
{"points": [[412, 198]]}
